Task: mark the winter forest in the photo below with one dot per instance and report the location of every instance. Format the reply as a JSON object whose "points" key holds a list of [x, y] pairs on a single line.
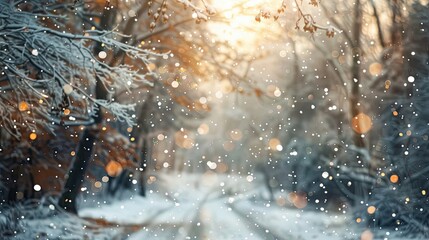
{"points": [[214, 119]]}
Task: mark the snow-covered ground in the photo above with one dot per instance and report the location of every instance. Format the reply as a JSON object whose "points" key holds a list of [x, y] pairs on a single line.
{"points": [[207, 206], [213, 206]]}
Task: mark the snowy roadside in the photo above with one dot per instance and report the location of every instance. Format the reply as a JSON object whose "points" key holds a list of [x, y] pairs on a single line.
{"points": [[296, 223], [45, 221], [216, 207], [186, 207], [138, 210]]}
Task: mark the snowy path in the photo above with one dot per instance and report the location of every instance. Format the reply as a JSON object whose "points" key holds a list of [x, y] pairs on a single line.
{"points": [[215, 208], [212, 219], [224, 223]]}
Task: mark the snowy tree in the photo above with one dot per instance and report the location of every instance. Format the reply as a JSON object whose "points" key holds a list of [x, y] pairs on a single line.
{"points": [[404, 188], [50, 75], [47, 71]]}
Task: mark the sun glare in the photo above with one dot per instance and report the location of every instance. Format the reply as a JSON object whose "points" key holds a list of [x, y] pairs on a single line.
{"points": [[237, 23]]}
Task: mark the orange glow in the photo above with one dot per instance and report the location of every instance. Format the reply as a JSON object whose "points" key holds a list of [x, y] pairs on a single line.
{"points": [[299, 200], [23, 106], [371, 209], [33, 136], [151, 179], [67, 112], [367, 235], [274, 143], [240, 26], [183, 140], [97, 184], [113, 168], [387, 84], [361, 123], [203, 129], [273, 91], [375, 69], [395, 113], [236, 135], [358, 220], [394, 178]]}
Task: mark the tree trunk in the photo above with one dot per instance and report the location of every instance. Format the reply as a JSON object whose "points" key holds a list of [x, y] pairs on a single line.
{"points": [[378, 21], [77, 171], [143, 165], [123, 181], [140, 133], [356, 51], [76, 174]]}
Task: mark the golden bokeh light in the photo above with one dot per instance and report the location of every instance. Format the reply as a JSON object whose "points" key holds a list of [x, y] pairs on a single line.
{"points": [[394, 178], [236, 135], [361, 123], [33, 136], [23, 106], [160, 137], [113, 168], [371, 209], [299, 200], [151, 66], [273, 91], [375, 69], [203, 129], [98, 184], [367, 235], [387, 84], [183, 140], [151, 179], [274, 143]]}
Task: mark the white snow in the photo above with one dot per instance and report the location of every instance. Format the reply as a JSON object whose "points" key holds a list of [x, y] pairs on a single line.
{"points": [[138, 210], [213, 206]]}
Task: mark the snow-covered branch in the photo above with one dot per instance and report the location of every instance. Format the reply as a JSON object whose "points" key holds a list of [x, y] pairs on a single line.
{"points": [[50, 70]]}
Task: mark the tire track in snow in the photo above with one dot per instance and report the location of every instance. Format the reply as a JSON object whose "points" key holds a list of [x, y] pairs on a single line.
{"points": [[211, 217], [262, 231]]}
